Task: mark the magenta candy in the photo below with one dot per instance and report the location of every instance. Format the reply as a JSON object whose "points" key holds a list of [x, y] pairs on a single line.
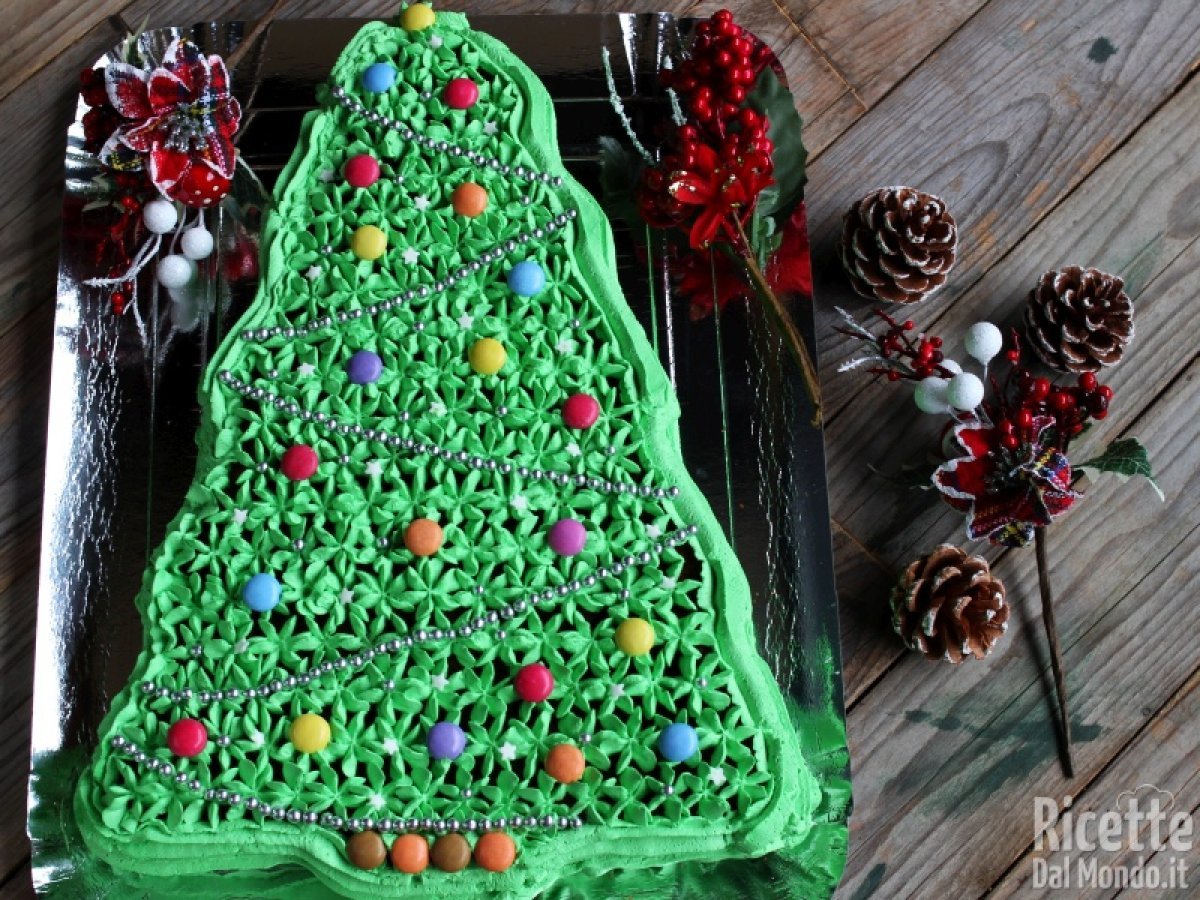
{"points": [[461, 93], [361, 171], [567, 537], [580, 411]]}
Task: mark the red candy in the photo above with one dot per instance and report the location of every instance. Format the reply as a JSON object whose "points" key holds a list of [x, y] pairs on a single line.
{"points": [[534, 683], [461, 93], [361, 171], [187, 738], [580, 411], [299, 462]]}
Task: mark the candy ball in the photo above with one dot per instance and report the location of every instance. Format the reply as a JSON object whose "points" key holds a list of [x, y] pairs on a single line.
{"points": [[310, 733], [461, 93], [983, 341], [187, 738], [567, 537], [423, 537], [451, 853], [487, 356], [930, 395], [364, 367], [526, 278], [299, 462], [368, 242], [262, 592], [417, 17], [361, 171], [446, 741], [534, 683], [678, 742], [160, 216], [197, 243], [366, 850], [580, 411], [410, 854], [469, 199], [175, 270], [635, 637], [965, 391], [495, 851], [379, 77], [565, 763]]}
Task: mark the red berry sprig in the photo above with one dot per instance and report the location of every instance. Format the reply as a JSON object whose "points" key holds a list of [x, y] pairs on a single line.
{"points": [[904, 357]]}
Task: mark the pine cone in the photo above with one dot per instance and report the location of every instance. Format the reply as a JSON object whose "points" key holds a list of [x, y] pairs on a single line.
{"points": [[1079, 319], [898, 244], [948, 605]]}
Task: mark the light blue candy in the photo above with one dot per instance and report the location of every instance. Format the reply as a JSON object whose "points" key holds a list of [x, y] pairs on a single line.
{"points": [[261, 593], [379, 77], [678, 742], [526, 278]]}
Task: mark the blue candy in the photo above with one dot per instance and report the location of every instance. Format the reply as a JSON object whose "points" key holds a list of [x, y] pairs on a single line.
{"points": [[678, 742], [379, 77], [261, 593], [526, 278]]}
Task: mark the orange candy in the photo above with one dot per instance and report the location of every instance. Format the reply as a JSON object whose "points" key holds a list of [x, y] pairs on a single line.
{"points": [[565, 763], [495, 851], [423, 537], [410, 853], [469, 199]]}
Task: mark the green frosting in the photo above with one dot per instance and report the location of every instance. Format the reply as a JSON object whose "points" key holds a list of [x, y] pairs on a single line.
{"points": [[344, 591]]}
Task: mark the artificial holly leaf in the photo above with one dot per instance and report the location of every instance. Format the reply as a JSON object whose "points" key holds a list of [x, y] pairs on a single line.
{"points": [[774, 100], [619, 173], [1125, 458]]}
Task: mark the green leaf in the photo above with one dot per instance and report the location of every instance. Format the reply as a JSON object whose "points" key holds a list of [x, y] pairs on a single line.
{"points": [[1125, 458], [771, 98], [619, 174]]}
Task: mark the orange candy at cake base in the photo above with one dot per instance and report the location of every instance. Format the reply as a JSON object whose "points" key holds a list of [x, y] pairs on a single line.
{"points": [[410, 854], [495, 851]]}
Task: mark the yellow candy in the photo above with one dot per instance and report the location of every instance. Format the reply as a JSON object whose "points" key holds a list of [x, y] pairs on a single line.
{"points": [[417, 17], [487, 356], [635, 637], [368, 242], [310, 733]]}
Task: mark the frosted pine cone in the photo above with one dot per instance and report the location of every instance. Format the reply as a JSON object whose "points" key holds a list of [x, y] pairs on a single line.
{"points": [[1079, 319], [898, 244], [949, 606]]}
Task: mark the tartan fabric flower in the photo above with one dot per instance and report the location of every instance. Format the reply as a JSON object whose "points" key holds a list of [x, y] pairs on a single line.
{"points": [[180, 119], [1006, 494]]}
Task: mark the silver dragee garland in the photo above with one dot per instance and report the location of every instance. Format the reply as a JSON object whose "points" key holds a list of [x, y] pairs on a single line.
{"points": [[415, 447], [359, 660], [299, 815]]}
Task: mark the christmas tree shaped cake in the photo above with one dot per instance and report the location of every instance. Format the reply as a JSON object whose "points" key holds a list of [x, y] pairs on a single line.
{"points": [[443, 614]]}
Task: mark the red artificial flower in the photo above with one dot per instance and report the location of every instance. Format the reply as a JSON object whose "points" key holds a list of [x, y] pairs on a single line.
{"points": [[721, 189], [1006, 494], [181, 119], [789, 270]]}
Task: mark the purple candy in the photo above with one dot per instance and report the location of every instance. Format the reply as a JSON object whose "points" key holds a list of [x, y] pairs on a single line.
{"points": [[446, 741], [364, 367], [567, 537]]}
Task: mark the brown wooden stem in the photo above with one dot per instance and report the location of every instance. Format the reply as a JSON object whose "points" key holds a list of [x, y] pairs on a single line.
{"points": [[782, 318], [1060, 685], [248, 41]]}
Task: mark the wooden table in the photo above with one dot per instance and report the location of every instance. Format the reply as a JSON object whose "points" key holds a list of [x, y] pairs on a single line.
{"points": [[1059, 133]]}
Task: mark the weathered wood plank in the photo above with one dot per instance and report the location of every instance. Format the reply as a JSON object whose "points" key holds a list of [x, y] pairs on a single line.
{"points": [[945, 758], [1165, 755], [1004, 120]]}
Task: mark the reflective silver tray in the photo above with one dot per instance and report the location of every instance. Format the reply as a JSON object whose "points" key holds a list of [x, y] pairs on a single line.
{"points": [[124, 414]]}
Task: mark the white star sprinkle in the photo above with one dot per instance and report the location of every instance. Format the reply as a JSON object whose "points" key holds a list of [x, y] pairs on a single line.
{"points": [[490, 128], [653, 531], [326, 175], [435, 41], [390, 747], [306, 370], [439, 682], [421, 203], [717, 776], [668, 584], [374, 467], [617, 690], [508, 751], [437, 408], [519, 501], [565, 345], [411, 256], [573, 449], [346, 596], [239, 516], [257, 738], [312, 273], [466, 320], [377, 801], [241, 646]]}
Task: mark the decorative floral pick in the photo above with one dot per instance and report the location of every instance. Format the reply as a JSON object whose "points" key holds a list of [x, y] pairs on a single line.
{"points": [[1008, 470]]}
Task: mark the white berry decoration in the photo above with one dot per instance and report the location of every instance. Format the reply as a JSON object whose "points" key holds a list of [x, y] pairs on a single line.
{"points": [[950, 366], [930, 395], [965, 391], [197, 243], [175, 271], [160, 216], [984, 341]]}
